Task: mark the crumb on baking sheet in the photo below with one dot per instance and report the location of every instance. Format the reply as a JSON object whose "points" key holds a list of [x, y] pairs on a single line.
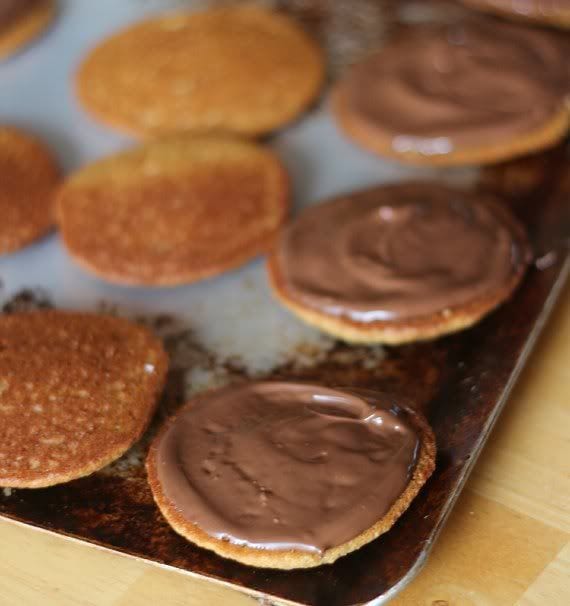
{"points": [[27, 299]]}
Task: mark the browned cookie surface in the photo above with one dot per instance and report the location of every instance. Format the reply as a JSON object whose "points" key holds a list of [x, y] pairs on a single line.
{"points": [[173, 211], [241, 69], [288, 475], [76, 391], [28, 178]]}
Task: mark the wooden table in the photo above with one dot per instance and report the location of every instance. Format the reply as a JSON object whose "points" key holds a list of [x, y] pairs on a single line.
{"points": [[507, 542]]}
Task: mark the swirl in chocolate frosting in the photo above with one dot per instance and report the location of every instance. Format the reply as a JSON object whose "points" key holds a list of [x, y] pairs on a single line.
{"points": [[399, 252], [279, 466], [458, 86]]}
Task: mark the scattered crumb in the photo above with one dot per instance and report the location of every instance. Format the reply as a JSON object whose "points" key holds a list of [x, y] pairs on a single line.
{"points": [[27, 299], [132, 459]]}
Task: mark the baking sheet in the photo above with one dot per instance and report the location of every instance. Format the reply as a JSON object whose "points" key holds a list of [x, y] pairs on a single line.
{"points": [[229, 328]]}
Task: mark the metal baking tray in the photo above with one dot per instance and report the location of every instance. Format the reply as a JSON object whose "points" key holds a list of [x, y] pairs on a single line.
{"points": [[229, 328]]}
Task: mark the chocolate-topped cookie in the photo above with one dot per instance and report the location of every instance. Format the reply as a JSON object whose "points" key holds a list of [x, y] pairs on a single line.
{"points": [[289, 475], [399, 263], [473, 92]]}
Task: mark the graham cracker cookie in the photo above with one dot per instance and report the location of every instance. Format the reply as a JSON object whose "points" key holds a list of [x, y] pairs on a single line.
{"points": [[76, 391], [240, 69], [173, 211]]}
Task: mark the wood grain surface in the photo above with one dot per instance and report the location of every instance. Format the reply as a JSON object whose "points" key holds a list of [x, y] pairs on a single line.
{"points": [[506, 543]]}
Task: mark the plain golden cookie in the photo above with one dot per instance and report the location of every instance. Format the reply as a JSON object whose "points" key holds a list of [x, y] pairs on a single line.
{"points": [[28, 178], [21, 21], [76, 391], [243, 69], [173, 211]]}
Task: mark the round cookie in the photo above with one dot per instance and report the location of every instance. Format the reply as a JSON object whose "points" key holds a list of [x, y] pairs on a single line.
{"points": [[21, 21], [28, 178], [475, 92], [548, 12], [173, 211], [399, 263], [227, 471], [76, 391], [244, 70]]}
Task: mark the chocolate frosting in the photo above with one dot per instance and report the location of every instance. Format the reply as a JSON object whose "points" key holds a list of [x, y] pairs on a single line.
{"points": [[12, 9], [398, 252], [443, 88], [286, 466]]}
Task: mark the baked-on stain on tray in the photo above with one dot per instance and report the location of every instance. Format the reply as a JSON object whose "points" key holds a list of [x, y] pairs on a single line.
{"points": [[459, 382]]}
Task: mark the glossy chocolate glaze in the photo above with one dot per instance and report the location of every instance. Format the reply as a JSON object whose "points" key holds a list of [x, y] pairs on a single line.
{"points": [[286, 465], [471, 84], [398, 252]]}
